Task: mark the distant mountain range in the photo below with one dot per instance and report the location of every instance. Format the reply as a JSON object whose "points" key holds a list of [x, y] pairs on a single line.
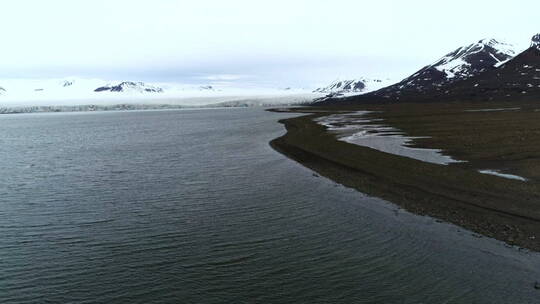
{"points": [[30, 91], [353, 86], [83, 94], [90, 85], [128, 86], [485, 70], [141, 87]]}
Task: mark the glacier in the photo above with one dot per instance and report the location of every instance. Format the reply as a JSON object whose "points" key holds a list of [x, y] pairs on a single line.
{"points": [[74, 93]]}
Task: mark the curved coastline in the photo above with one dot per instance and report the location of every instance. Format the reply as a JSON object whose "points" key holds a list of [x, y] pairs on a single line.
{"points": [[502, 209]]}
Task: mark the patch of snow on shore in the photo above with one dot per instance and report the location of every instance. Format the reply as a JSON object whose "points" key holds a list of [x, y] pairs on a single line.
{"points": [[497, 173], [494, 110]]}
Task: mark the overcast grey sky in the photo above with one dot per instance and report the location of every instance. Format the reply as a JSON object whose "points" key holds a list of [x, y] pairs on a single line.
{"points": [[278, 42]]}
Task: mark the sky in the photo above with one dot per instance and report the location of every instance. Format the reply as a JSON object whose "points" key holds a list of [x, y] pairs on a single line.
{"points": [[292, 43]]}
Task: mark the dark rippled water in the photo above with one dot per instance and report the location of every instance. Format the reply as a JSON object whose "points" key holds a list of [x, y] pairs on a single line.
{"points": [[195, 207]]}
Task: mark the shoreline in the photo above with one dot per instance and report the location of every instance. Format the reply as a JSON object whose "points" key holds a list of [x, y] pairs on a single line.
{"points": [[11, 110], [486, 205]]}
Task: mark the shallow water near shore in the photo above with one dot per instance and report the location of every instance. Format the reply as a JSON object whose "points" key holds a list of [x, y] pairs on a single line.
{"points": [[354, 128], [195, 207]]}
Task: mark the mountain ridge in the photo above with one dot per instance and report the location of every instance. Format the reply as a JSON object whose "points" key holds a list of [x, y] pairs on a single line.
{"points": [[462, 63], [130, 86], [357, 85], [461, 74]]}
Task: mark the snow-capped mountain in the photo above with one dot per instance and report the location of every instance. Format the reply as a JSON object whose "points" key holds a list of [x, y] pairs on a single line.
{"points": [[353, 86], [517, 79], [468, 61], [463, 63], [129, 86], [206, 88], [82, 94], [432, 80], [67, 83], [485, 71]]}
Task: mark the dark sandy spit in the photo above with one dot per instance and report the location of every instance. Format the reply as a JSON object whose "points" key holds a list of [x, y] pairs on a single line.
{"points": [[492, 206]]}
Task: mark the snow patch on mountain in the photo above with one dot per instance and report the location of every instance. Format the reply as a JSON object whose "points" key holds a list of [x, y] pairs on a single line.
{"points": [[536, 41]]}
